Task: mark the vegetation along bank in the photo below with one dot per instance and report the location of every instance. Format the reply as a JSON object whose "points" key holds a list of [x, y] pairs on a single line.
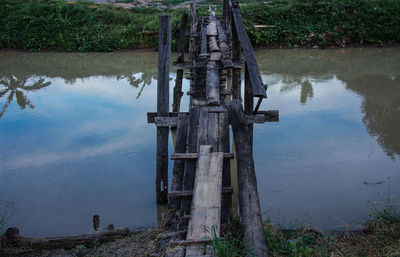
{"points": [[84, 26]]}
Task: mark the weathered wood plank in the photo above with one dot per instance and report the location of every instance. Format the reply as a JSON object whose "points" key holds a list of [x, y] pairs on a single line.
{"points": [[215, 56], [179, 165], [165, 121], [203, 49], [249, 205], [236, 57], [254, 73], [252, 119], [195, 156], [152, 115], [164, 53], [212, 84], [189, 193], [193, 30], [206, 201], [270, 116]]}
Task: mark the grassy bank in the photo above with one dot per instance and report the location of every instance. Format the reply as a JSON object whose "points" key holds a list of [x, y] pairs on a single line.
{"points": [[82, 26]]}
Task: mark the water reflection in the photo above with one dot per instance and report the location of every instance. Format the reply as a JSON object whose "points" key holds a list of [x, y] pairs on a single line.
{"points": [[17, 87], [372, 73]]}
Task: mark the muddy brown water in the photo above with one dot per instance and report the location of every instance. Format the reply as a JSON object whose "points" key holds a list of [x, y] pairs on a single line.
{"points": [[74, 139]]}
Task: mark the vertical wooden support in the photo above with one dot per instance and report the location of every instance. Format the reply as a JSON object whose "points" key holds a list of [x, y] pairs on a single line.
{"points": [[164, 53], [236, 57], [193, 42], [181, 58], [249, 204], [248, 101], [179, 165], [224, 146], [190, 166]]}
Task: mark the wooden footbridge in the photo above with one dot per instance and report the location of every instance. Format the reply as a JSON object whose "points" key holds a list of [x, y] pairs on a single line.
{"points": [[201, 179]]}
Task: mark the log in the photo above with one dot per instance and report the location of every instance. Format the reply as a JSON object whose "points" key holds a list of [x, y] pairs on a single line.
{"points": [[212, 28], [249, 205], [12, 238], [179, 165], [212, 84], [213, 44], [215, 56], [164, 53], [223, 43]]}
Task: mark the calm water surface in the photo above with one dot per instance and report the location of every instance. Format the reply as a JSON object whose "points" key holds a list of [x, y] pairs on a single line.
{"points": [[74, 139]]}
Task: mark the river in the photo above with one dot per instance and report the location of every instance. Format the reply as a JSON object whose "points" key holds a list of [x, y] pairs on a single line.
{"points": [[74, 139]]}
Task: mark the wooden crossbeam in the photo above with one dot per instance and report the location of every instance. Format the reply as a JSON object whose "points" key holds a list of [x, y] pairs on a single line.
{"points": [[194, 156], [189, 193]]}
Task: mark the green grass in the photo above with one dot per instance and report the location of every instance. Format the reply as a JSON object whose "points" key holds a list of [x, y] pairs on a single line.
{"points": [[50, 24]]}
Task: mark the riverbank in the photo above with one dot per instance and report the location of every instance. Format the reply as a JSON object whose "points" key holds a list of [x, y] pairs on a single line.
{"points": [[83, 26], [381, 237]]}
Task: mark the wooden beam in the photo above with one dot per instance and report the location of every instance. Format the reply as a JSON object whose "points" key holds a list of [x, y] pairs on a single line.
{"points": [[165, 121], [189, 193], [254, 73], [194, 156], [151, 115]]}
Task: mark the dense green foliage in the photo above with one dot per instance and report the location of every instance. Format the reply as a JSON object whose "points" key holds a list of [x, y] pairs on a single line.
{"points": [[63, 26], [82, 26], [324, 22]]}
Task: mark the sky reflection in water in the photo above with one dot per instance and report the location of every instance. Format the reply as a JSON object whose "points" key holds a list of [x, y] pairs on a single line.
{"points": [[84, 147]]}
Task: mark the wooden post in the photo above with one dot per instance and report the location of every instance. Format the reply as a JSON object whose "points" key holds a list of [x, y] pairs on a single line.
{"points": [[248, 101], [249, 205], [181, 58], [179, 165], [164, 54]]}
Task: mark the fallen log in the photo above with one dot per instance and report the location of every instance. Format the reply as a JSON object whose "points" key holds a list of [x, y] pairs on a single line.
{"points": [[12, 238]]}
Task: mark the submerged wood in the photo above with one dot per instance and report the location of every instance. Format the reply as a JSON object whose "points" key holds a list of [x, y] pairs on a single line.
{"points": [[249, 205]]}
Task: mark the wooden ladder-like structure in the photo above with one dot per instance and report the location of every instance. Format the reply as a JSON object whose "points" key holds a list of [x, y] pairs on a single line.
{"points": [[201, 178]]}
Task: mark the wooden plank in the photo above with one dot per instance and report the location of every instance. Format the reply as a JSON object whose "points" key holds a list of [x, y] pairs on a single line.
{"points": [[200, 74], [165, 121], [195, 156], [254, 73], [251, 119], [270, 116], [202, 128], [193, 30], [189, 193], [179, 165], [223, 43], [249, 205], [190, 242], [212, 84], [152, 115], [164, 53], [206, 201]]}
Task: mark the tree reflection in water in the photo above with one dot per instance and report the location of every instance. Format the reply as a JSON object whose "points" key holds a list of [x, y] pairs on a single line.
{"points": [[17, 87], [306, 92]]}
